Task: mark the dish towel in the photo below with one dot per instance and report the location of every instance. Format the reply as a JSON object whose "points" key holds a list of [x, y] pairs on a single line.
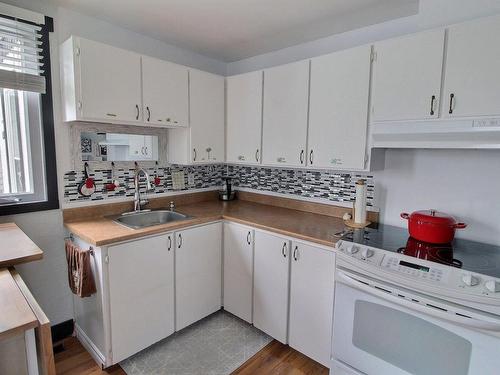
{"points": [[80, 277]]}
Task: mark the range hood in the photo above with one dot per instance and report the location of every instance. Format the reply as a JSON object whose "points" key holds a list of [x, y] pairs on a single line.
{"points": [[477, 133]]}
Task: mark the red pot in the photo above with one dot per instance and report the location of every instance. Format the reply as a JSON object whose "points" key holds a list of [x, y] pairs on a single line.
{"points": [[432, 226]]}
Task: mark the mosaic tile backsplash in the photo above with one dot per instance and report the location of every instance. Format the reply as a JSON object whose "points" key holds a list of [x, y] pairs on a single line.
{"points": [[198, 177], [328, 185]]}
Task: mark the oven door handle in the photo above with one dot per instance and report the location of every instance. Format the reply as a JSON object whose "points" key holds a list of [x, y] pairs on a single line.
{"points": [[463, 321]]}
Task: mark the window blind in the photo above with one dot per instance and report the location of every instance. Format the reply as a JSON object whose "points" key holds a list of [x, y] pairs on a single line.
{"points": [[21, 64]]}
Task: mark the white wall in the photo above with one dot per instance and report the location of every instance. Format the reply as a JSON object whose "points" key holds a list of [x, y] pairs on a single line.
{"points": [[463, 183]]}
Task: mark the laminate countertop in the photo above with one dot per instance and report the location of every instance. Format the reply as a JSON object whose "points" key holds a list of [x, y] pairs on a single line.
{"points": [[313, 227], [16, 315], [16, 247]]}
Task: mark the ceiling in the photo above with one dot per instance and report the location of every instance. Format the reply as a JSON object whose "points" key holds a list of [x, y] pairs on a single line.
{"points": [[231, 30]]}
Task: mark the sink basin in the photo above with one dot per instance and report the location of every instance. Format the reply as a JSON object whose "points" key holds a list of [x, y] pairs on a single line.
{"points": [[149, 218]]}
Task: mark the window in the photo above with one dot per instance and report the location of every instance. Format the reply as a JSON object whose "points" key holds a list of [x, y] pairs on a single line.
{"points": [[28, 179]]}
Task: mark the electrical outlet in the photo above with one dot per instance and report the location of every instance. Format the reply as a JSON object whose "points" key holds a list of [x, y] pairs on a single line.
{"points": [[191, 179]]}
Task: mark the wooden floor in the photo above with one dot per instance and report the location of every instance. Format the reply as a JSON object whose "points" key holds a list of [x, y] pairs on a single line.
{"points": [[274, 359], [75, 360]]}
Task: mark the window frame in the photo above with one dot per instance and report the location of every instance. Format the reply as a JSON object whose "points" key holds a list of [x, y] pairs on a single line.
{"points": [[47, 123]]}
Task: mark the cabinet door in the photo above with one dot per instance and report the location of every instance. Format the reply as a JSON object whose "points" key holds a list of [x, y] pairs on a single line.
{"points": [[244, 118], [270, 298], [238, 270], [311, 301], [472, 76], [338, 115], [137, 147], [165, 92], [286, 93], [110, 80], [141, 294], [407, 77], [198, 273], [207, 116]]}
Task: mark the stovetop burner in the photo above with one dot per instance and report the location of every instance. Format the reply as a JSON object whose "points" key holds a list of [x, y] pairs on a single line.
{"points": [[468, 255]]}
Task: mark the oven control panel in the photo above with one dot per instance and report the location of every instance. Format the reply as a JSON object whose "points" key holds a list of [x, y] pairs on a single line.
{"points": [[451, 278], [424, 272]]}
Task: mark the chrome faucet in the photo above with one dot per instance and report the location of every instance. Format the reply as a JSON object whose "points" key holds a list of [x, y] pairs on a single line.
{"points": [[138, 202]]}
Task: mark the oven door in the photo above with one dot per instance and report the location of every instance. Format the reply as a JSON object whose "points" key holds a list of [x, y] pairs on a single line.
{"points": [[379, 330]]}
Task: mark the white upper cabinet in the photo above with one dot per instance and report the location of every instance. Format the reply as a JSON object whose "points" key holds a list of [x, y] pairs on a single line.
{"points": [[100, 83], [407, 77], [203, 142], [286, 94], [244, 118], [338, 113], [472, 75], [207, 116], [165, 92]]}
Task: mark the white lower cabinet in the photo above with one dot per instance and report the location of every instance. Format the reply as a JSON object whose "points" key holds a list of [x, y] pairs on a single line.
{"points": [[198, 273], [238, 270], [311, 301], [141, 294], [270, 298], [150, 287]]}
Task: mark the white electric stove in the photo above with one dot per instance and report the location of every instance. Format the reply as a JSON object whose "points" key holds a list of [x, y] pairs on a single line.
{"points": [[404, 307]]}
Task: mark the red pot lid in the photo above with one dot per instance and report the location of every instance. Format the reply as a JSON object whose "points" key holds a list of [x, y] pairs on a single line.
{"points": [[433, 217]]}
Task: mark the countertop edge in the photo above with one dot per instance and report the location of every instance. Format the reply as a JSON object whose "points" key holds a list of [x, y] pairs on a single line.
{"points": [[193, 222]]}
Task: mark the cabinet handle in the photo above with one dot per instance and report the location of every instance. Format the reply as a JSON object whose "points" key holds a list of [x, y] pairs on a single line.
{"points": [[149, 113], [142, 150], [194, 154], [146, 150], [295, 252], [433, 98], [302, 157], [257, 155], [311, 157], [180, 241], [137, 111], [248, 238], [283, 250], [111, 114], [452, 96], [169, 243]]}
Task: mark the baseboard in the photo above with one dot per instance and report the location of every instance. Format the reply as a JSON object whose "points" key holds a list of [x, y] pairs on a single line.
{"points": [[62, 330], [94, 352]]}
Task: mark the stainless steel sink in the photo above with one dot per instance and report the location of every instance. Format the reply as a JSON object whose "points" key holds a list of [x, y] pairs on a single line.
{"points": [[144, 219]]}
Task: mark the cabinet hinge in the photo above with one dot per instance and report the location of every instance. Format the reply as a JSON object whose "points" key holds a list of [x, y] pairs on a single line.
{"points": [[77, 51], [373, 56], [79, 105], [106, 259]]}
